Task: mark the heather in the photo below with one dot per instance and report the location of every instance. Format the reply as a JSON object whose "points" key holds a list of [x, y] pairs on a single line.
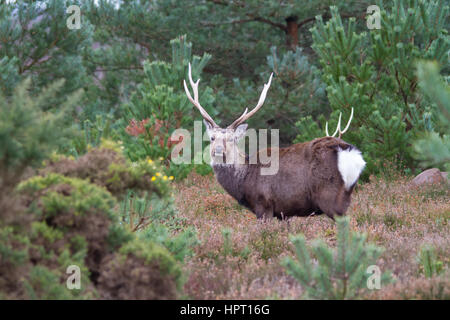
{"points": [[240, 257]]}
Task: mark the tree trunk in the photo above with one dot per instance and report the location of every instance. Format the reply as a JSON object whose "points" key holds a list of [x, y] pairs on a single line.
{"points": [[292, 32]]}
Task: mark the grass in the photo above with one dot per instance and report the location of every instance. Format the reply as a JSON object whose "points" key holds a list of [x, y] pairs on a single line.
{"points": [[239, 256]]}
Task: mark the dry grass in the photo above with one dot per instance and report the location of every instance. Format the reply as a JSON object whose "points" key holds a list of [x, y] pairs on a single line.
{"points": [[392, 215]]}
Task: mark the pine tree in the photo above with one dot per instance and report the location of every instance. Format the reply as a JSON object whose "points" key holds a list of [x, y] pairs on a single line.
{"points": [[159, 106], [237, 33], [35, 42], [341, 273], [28, 134], [433, 148], [296, 91], [373, 72]]}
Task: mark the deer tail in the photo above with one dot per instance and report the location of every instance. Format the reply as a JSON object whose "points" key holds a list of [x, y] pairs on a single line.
{"points": [[350, 165]]}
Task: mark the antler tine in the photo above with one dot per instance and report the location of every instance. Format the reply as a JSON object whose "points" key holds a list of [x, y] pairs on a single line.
{"points": [[238, 120], [262, 98], [347, 126], [338, 128], [195, 101]]}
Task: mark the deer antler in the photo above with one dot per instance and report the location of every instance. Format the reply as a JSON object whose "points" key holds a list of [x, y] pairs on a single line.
{"points": [[246, 115], [195, 101], [338, 128]]}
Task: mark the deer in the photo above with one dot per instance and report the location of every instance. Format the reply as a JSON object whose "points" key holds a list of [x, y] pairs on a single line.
{"points": [[313, 177]]}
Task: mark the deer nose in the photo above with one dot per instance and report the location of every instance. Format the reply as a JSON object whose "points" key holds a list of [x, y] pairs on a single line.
{"points": [[219, 149]]}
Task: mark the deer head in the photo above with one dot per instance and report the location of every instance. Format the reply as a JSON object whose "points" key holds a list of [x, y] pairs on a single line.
{"points": [[223, 147]]}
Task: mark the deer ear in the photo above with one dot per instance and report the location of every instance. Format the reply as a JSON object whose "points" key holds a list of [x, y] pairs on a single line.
{"points": [[208, 127], [240, 131]]}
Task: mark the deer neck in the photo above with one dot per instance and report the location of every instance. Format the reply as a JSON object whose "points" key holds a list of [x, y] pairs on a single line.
{"points": [[231, 177]]}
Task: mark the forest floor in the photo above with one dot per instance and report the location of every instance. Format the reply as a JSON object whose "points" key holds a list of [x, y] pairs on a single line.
{"points": [[239, 256]]}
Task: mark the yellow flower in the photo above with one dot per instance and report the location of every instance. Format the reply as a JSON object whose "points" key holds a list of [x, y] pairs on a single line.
{"points": [[158, 174], [171, 178], [161, 158], [150, 161], [153, 178], [165, 178]]}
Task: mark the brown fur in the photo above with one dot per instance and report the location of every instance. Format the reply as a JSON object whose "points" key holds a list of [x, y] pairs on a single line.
{"points": [[308, 181]]}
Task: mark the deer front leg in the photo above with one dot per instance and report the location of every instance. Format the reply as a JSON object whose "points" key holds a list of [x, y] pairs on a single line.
{"points": [[264, 212]]}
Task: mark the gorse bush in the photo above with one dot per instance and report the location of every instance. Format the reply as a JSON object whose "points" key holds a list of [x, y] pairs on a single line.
{"points": [[374, 72], [64, 221], [325, 273], [67, 214], [106, 166], [70, 221]]}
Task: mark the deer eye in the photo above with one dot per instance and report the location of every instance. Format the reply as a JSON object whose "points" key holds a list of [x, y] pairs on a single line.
{"points": [[213, 138]]}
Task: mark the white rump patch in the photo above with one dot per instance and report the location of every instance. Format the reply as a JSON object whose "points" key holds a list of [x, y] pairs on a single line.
{"points": [[350, 165]]}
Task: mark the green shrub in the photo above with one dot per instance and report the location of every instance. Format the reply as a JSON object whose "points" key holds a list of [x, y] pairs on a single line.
{"points": [[180, 245], [327, 273], [430, 266], [106, 166], [141, 270], [56, 194], [74, 222]]}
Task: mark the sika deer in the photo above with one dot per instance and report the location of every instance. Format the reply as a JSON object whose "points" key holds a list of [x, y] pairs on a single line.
{"points": [[313, 177]]}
